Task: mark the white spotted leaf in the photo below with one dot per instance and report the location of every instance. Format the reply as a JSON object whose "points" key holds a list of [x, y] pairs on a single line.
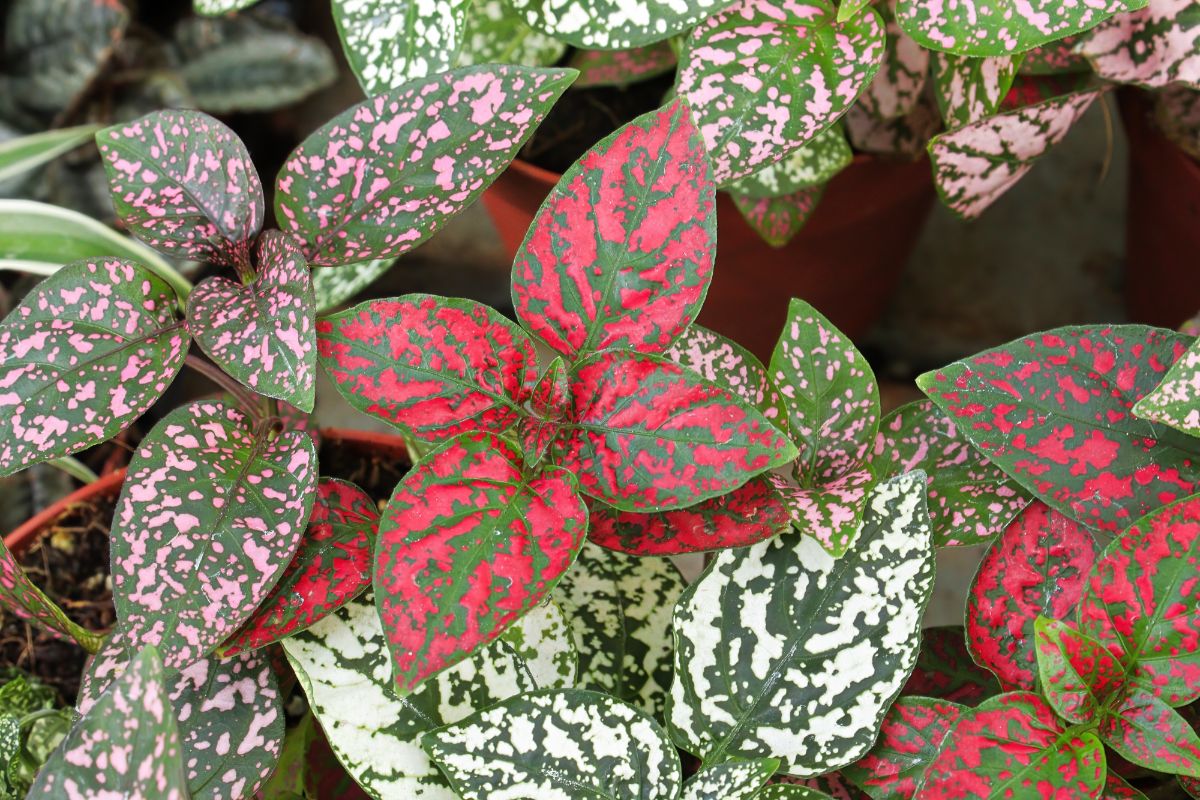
{"points": [[810, 166], [1175, 402], [1153, 47], [614, 24], [496, 35], [764, 77], [1002, 27], [783, 651], [343, 665], [390, 42], [558, 744], [732, 780], [263, 333], [543, 639], [208, 518], [333, 286], [213, 8], [968, 88], [86, 353], [620, 611]]}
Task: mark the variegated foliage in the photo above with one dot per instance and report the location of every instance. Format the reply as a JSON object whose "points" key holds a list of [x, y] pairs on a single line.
{"points": [[898, 85], [810, 167], [1152, 47], [495, 35], [778, 219], [390, 42], [614, 24], [622, 67], [946, 671], [783, 651], [1176, 400], [968, 89]]}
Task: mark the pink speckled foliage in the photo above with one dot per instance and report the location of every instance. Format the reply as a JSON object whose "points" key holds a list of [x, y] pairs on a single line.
{"points": [[897, 87], [969, 89], [262, 333], [21, 596], [384, 176], [764, 77], [209, 516], [1153, 47], [778, 219], [183, 183], [622, 67]]}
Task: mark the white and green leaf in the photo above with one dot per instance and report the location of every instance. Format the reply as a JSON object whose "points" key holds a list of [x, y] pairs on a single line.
{"points": [[390, 42], [544, 641]]}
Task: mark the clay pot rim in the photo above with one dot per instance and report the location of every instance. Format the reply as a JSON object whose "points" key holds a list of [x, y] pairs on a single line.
{"points": [[28, 531], [543, 175]]}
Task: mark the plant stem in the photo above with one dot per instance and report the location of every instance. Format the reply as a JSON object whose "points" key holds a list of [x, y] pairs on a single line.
{"points": [[34, 716], [218, 376], [75, 468]]}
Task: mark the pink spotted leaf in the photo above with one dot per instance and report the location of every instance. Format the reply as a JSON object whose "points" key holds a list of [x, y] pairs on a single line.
{"points": [[973, 165], [970, 499], [1039, 565], [912, 732], [620, 254], [968, 88], [331, 567], [1053, 411], [810, 167], [723, 361], [1176, 400], [778, 219], [262, 333], [210, 514], [431, 366], [831, 512], [86, 353], [898, 85], [945, 669], [184, 184], [1157, 45], [1077, 674], [385, 175], [1143, 601], [644, 434], [22, 597], [127, 745], [621, 67], [738, 66], [466, 546], [1142, 728], [1014, 746], [904, 137], [1004, 27]]}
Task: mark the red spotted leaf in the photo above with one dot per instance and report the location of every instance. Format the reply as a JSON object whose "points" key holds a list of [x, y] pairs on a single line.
{"points": [[765, 77], [86, 353], [262, 334], [467, 545], [331, 567], [1190, 785], [912, 732], [945, 669], [620, 254], [1143, 601], [1014, 746], [384, 176], [209, 517], [548, 405], [430, 366], [1053, 410], [1143, 729], [1038, 566], [1055, 58], [830, 513], [127, 746], [621, 67], [184, 184], [1115, 788], [1076, 673], [970, 499], [644, 434], [778, 219], [747, 515], [22, 597]]}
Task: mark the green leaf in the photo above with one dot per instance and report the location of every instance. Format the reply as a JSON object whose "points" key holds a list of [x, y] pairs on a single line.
{"points": [[620, 611], [544, 640], [333, 286], [288, 780], [733, 780], [248, 63], [127, 745], [810, 167], [1077, 674], [20, 155], [1143, 729], [86, 353], [790, 791], [614, 24], [848, 8], [390, 42], [783, 651], [1175, 402], [343, 665], [10, 751], [969, 89], [496, 35], [602, 748]]}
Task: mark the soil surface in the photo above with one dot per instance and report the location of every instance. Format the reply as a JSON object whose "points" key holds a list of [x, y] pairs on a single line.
{"points": [[585, 116], [70, 564]]}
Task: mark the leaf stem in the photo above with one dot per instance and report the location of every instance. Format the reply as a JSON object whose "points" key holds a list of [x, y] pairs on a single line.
{"points": [[75, 468], [34, 716], [217, 375]]}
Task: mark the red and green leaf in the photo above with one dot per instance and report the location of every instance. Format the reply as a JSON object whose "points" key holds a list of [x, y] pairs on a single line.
{"points": [[1076, 673], [184, 184], [644, 434], [1143, 601], [262, 333], [765, 77], [22, 597], [86, 353], [209, 517], [1116, 788], [1014, 746], [433, 367], [945, 669], [1143, 729], [1053, 411], [621, 67], [548, 405], [912, 732], [778, 219], [1038, 566], [1055, 58], [331, 567], [384, 176], [466, 546], [970, 499], [620, 254]]}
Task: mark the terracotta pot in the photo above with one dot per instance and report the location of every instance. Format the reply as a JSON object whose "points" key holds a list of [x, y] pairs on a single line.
{"points": [[846, 261], [1162, 223]]}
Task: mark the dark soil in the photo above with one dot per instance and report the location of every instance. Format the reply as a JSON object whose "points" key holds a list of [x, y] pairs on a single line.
{"points": [[585, 116], [70, 564], [375, 473]]}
